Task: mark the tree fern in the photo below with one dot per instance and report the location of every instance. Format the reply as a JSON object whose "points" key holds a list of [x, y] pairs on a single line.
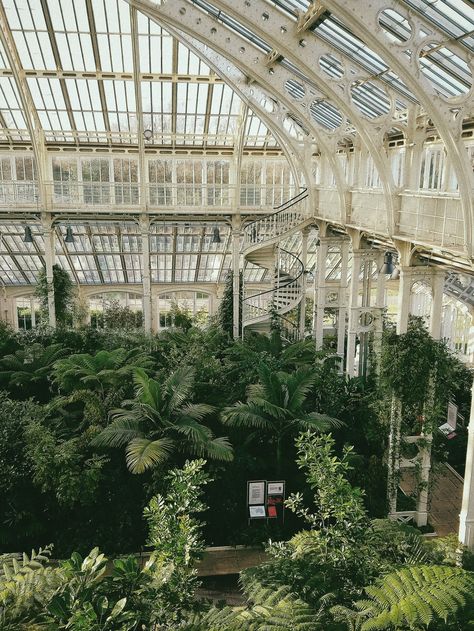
{"points": [[268, 609], [409, 598]]}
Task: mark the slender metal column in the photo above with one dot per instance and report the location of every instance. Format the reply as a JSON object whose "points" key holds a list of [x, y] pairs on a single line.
{"points": [[341, 321], [304, 260], [48, 235], [236, 281], [353, 312], [320, 286], [466, 518], [436, 316], [146, 279], [33, 314]]}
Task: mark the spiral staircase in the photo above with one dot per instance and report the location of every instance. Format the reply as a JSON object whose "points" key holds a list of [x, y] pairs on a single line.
{"points": [[262, 248]]}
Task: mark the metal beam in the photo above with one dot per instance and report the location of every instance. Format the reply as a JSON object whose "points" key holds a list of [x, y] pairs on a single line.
{"points": [[363, 20]]}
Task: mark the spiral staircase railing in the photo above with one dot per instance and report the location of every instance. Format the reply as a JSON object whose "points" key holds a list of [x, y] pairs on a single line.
{"points": [[287, 292]]}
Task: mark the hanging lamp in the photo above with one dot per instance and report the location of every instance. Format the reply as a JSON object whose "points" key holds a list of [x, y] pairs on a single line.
{"points": [[388, 267], [69, 235], [27, 237]]}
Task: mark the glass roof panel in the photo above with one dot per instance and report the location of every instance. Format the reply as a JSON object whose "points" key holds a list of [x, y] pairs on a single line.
{"points": [[453, 16]]}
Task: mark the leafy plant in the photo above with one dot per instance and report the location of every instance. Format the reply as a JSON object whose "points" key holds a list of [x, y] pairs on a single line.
{"points": [[410, 598], [276, 407], [25, 586], [63, 293], [160, 420], [176, 538], [267, 609], [26, 372]]}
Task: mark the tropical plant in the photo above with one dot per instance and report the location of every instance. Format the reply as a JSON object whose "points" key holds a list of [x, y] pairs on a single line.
{"points": [[105, 369], [26, 372], [85, 594], [267, 609], [411, 598], [26, 584], [159, 420], [338, 521], [97, 381], [276, 407], [63, 292], [176, 538], [225, 316], [117, 316]]}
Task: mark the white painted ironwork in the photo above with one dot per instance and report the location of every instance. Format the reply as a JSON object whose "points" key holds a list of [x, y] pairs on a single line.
{"points": [[260, 248]]}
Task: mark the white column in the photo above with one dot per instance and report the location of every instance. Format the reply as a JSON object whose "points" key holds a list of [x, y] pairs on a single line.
{"points": [[33, 314], [436, 316], [341, 323], [304, 260], [320, 287], [466, 518], [404, 292], [353, 313], [49, 254], [236, 283], [380, 287], [146, 279]]}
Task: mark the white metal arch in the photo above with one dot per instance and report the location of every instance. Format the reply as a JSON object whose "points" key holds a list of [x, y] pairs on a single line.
{"points": [[362, 18]]}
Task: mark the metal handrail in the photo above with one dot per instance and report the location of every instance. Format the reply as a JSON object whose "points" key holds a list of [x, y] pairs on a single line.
{"points": [[278, 209], [268, 291]]}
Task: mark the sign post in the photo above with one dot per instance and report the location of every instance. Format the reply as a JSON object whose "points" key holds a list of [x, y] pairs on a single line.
{"points": [[266, 499]]}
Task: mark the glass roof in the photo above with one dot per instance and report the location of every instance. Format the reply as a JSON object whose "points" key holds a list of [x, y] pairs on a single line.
{"points": [[78, 59], [110, 252], [104, 77]]}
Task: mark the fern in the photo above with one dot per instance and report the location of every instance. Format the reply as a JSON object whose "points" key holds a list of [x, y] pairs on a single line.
{"points": [[411, 597], [269, 609]]}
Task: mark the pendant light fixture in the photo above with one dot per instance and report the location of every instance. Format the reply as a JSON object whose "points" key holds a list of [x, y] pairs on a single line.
{"points": [[395, 274], [388, 266], [69, 235], [27, 237], [216, 235]]}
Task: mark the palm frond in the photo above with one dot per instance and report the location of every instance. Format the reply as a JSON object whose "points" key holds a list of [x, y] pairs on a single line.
{"points": [[178, 387], [320, 422], [245, 415], [196, 411], [142, 454], [299, 384], [119, 433]]}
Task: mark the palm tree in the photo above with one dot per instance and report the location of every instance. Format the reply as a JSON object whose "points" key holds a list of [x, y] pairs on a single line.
{"points": [[97, 382], [105, 369], [28, 369], [276, 406], [159, 420]]}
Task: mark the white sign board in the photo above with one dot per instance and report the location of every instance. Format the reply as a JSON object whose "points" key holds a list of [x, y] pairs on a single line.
{"points": [[256, 493], [275, 488], [452, 415], [257, 511]]}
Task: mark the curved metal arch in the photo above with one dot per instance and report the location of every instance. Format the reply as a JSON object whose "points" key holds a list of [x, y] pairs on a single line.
{"points": [[198, 25], [224, 68], [280, 32], [33, 124], [362, 18]]}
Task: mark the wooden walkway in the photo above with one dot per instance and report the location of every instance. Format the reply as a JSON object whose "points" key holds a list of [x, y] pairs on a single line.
{"points": [[446, 499]]}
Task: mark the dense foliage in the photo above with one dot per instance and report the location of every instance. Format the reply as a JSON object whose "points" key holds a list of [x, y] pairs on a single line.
{"points": [[72, 401], [89, 394], [64, 293]]}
